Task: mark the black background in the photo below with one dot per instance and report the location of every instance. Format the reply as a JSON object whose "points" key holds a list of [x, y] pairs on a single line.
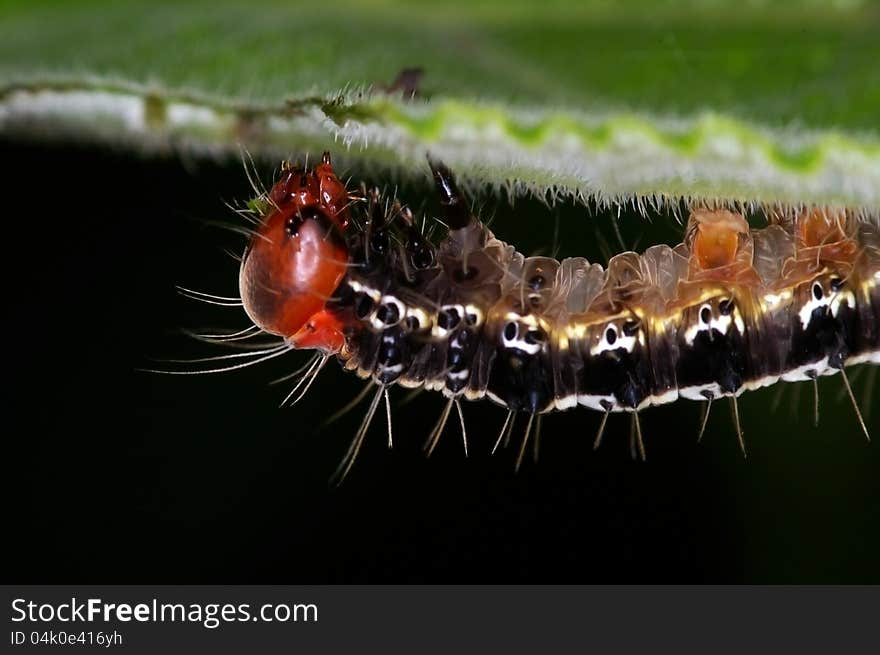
{"points": [[116, 475]]}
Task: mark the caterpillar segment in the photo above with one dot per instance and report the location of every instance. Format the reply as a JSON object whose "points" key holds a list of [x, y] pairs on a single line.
{"points": [[730, 309]]}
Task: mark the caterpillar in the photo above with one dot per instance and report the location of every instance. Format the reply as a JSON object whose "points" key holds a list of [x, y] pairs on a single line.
{"points": [[730, 309]]}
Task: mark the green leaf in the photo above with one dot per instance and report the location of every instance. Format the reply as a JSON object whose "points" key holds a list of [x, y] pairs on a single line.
{"points": [[615, 100]]}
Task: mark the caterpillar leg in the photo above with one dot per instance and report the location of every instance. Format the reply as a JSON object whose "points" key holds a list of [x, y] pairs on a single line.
{"points": [[855, 405], [524, 443], [709, 396], [734, 410], [454, 203], [636, 443]]}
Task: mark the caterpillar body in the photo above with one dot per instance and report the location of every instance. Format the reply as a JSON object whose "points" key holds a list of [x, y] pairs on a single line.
{"points": [[729, 309]]}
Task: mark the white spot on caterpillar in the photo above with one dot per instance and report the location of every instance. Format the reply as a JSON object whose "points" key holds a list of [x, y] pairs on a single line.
{"points": [[422, 319], [597, 402], [809, 371], [772, 300], [357, 287], [873, 357], [379, 324], [566, 402], [613, 339], [513, 337], [806, 313], [720, 323], [699, 392], [473, 315], [440, 332]]}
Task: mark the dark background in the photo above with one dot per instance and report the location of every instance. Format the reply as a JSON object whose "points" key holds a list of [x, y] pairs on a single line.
{"points": [[116, 475]]}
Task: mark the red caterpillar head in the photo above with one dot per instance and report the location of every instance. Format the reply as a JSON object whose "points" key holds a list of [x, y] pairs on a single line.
{"points": [[297, 258]]}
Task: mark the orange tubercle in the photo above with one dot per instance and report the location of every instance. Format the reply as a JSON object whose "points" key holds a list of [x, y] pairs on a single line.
{"points": [[819, 227], [821, 236], [720, 247], [716, 241]]}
